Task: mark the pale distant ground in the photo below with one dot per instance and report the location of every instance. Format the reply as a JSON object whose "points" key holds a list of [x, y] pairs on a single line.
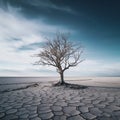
{"points": [[8, 83]]}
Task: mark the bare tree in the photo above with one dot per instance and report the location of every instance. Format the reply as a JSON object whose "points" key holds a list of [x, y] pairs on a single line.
{"points": [[60, 53]]}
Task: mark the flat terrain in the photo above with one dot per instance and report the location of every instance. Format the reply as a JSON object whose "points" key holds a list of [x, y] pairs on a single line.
{"points": [[26, 100]]}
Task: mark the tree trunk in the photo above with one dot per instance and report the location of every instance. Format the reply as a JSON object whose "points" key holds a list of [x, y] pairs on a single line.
{"points": [[62, 78]]}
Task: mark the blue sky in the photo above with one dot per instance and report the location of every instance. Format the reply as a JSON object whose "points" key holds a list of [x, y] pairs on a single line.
{"points": [[24, 25]]}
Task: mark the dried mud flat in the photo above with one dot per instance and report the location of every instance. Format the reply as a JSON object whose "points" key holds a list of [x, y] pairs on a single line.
{"points": [[45, 102]]}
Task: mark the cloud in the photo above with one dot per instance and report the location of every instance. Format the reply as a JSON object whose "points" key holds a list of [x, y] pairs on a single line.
{"points": [[19, 39], [15, 32], [49, 4], [96, 68]]}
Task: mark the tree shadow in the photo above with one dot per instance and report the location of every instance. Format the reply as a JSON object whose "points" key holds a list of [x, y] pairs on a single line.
{"points": [[70, 85]]}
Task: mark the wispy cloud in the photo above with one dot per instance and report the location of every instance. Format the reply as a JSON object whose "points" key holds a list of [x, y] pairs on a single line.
{"points": [[94, 67], [15, 32], [49, 4], [19, 39]]}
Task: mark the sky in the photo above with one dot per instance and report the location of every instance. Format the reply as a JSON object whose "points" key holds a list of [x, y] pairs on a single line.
{"points": [[24, 24]]}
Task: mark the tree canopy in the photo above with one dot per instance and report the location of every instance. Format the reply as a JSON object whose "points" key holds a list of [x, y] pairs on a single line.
{"points": [[61, 53]]}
